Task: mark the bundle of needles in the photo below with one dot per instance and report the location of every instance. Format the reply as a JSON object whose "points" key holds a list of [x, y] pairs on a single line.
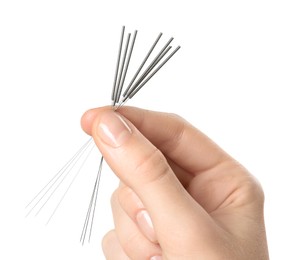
{"points": [[119, 97]]}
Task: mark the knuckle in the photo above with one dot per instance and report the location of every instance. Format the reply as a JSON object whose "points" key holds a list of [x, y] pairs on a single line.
{"points": [[249, 190], [176, 131], [152, 167], [175, 116], [253, 190]]}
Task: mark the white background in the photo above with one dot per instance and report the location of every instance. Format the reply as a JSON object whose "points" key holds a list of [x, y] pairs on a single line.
{"points": [[233, 79]]}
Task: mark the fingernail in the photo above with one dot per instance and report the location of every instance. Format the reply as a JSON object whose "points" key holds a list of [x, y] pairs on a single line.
{"points": [[113, 130], [156, 257], [145, 224]]}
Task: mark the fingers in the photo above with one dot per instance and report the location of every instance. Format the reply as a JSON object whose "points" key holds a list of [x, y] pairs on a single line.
{"points": [[172, 135], [142, 167], [132, 240]]}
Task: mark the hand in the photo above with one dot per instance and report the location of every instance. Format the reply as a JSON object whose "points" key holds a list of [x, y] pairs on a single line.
{"points": [[181, 196]]}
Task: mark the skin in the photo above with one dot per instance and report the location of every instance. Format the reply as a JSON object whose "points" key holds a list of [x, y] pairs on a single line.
{"points": [[180, 196]]}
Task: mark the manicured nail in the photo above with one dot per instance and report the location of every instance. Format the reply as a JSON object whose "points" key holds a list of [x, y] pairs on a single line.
{"points": [[112, 129], [156, 257], [145, 224]]}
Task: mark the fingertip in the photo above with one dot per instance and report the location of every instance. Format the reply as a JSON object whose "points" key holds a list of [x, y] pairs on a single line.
{"points": [[89, 117], [87, 120]]}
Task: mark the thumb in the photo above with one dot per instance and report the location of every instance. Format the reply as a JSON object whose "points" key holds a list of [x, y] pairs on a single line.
{"points": [[142, 167]]}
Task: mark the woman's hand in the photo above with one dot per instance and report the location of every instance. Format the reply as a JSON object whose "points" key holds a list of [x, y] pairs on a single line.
{"points": [[181, 196]]}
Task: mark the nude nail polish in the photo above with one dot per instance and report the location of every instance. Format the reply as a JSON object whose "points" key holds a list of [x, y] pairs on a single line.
{"points": [[145, 223], [113, 130]]}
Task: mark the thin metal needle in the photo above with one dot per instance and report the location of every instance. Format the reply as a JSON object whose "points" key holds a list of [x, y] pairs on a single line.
{"points": [[95, 201], [85, 227], [118, 85], [86, 223], [117, 89], [127, 65], [117, 66]]}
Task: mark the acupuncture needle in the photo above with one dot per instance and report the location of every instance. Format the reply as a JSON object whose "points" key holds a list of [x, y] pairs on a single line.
{"points": [[118, 83], [127, 66], [115, 98], [92, 201], [117, 89], [113, 95], [118, 100]]}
